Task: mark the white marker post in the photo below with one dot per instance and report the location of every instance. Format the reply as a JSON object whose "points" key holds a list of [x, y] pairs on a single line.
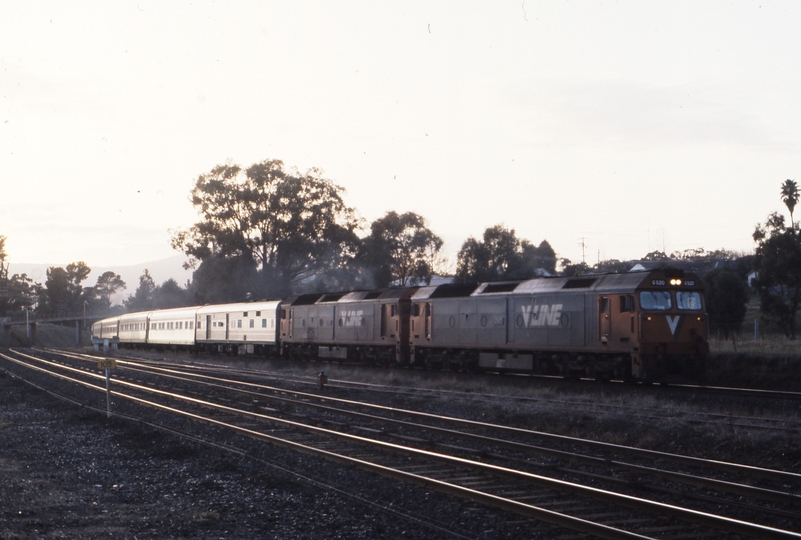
{"points": [[108, 364]]}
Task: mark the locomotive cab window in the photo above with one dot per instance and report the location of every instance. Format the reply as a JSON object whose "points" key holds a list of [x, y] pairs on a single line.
{"points": [[655, 300], [688, 300]]}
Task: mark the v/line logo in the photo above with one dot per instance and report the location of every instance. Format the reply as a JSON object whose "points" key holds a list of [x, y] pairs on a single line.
{"points": [[541, 315], [673, 323], [351, 318]]}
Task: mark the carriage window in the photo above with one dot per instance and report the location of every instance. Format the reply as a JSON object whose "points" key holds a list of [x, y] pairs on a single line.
{"points": [[655, 300], [688, 300], [626, 303], [264, 323]]}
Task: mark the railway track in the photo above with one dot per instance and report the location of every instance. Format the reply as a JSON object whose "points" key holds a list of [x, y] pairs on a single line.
{"points": [[643, 415], [591, 487]]}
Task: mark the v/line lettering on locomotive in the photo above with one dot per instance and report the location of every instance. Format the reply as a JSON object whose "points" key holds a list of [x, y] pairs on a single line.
{"points": [[542, 315], [351, 317]]}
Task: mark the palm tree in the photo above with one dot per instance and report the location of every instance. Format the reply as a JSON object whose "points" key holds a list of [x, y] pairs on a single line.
{"points": [[790, 197]]}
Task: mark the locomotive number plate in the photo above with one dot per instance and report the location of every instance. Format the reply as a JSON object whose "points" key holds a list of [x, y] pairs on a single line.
{"points": [[658, 282]]}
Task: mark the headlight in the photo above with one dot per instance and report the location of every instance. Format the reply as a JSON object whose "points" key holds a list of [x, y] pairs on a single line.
{"points": [[675, 281]]}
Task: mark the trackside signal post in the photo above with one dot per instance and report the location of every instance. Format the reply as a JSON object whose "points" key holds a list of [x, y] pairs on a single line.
{"points": [[108, 364]]}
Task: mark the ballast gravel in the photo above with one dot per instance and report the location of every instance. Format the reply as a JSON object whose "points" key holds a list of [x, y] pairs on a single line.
{"points": [[66, 472], [70, 472]]}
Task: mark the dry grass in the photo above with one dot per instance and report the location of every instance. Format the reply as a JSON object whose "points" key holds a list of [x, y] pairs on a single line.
{"points": [[618, 413], [769, 344], [47, 335]]}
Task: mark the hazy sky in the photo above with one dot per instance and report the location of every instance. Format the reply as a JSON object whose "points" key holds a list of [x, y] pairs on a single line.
{"points": [[633, 125]]}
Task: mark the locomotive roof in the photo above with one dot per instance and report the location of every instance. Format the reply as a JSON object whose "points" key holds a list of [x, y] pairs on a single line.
{"points": [[590, 282], [380, 295]]}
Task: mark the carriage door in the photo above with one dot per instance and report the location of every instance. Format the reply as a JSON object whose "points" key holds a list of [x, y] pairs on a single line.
{"points": [[290, 322], [428, 320], [208, 326], [384, 320], [604, 321]]}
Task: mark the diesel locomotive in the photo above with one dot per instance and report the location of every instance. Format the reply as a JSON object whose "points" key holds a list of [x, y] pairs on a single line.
{"points": [[648, 326]]}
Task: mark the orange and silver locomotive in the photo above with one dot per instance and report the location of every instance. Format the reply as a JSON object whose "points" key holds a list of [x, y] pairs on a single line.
{"points": [[638, 325]]}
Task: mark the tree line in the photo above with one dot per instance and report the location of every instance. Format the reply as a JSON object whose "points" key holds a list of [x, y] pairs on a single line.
{"points": [[267, 231]]}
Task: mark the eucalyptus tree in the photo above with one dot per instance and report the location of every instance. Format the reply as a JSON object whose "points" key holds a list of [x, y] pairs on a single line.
{"points": [[293, 226], [501, 255], [142, 298], [107, 284], [62, 289], [401, 250], [777, 260]]}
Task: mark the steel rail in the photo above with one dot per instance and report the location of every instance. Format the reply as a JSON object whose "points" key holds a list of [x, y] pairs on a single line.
{"points": [[682, 478], [549, 516], [483, 397], [243, 454], [677, 458], [692, 516]]}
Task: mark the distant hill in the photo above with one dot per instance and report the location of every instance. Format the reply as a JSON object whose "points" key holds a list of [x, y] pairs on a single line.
{"points": [[161, 270]]}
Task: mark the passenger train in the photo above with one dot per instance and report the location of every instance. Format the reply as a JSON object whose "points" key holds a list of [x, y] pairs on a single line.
{"points": [[648, 326]]}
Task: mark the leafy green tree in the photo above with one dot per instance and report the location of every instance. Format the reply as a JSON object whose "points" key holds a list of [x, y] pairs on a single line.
{"points": [[62, 290], [401, 250], [142, 298], [292, 225], [492, 258], [221, 279], [613, 266], [106, 286], [656, 256], [726, 295], [17, 292], [571, 269], [777, 260], [501, 255], [170, 295], [790, 198], [542, 256]]}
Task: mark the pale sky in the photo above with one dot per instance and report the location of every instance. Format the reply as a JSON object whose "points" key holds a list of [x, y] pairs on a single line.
{"points": [[632, 125]]}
